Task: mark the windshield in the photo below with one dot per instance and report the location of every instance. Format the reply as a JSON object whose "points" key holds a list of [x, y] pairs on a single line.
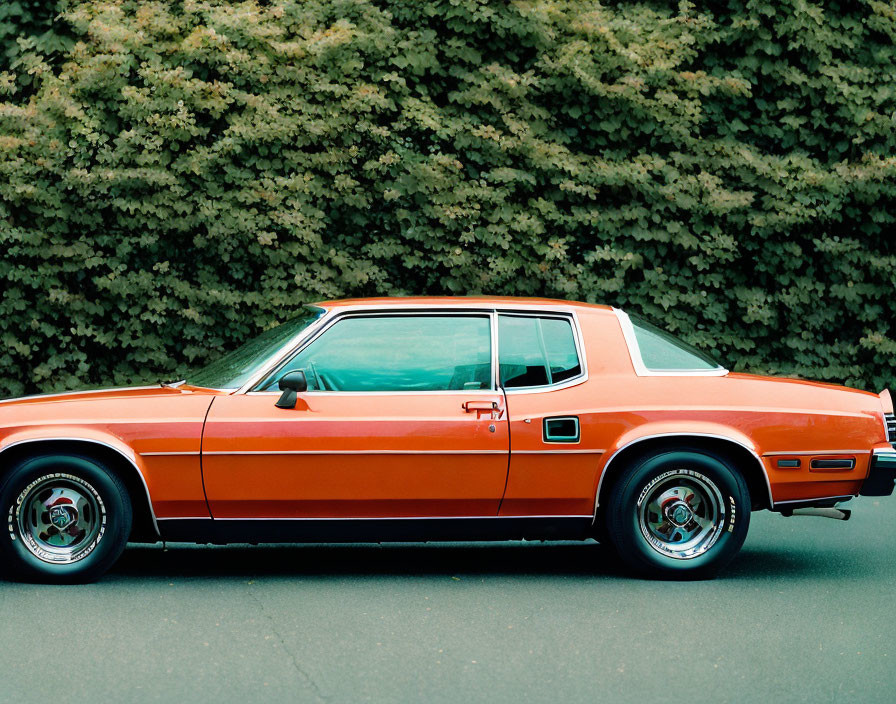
{"points": [[235, 368]]}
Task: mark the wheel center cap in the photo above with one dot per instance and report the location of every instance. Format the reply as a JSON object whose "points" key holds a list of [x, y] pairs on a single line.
{"points": [[680, 514], [63, 516]]}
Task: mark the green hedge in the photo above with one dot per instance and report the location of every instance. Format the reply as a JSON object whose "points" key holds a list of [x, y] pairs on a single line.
{"points": [[175, 176]]}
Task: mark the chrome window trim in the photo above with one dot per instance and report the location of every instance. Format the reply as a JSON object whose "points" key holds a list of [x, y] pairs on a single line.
{"points": [[546, 389], [443, 392], [884, 451], [573, 320], [634, 351], [752, 451], [130, 458], [332, 315], [376, 313], [496, 372]]}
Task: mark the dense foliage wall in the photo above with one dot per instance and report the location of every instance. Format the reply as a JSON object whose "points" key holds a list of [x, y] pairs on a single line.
{"points": [[176, 175]]}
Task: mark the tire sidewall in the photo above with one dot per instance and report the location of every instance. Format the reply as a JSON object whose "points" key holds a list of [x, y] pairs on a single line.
{"points": [[20, 563], [625, 526]]}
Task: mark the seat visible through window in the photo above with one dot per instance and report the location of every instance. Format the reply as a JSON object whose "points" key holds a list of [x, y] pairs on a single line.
{"points": [[536, 351]]}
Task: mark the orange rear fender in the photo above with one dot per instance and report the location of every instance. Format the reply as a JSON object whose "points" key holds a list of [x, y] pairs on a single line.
{"points": [[676, 433]]}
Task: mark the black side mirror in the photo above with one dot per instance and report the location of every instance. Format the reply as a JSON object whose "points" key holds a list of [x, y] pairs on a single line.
{"points": [[290, 384]]}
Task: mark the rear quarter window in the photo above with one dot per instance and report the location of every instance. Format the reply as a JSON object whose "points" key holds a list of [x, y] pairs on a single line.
{"points": [[663, 352]]}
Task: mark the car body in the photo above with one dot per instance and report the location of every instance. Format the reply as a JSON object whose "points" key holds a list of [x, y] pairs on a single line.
{"points": [[440, 419]]}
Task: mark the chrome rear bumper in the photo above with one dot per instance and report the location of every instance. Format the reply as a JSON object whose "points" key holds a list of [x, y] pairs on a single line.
{"points": [[881, 475]]}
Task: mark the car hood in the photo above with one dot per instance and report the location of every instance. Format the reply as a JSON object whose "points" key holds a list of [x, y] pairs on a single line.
{"points": [[124, 393], [104, 407]]}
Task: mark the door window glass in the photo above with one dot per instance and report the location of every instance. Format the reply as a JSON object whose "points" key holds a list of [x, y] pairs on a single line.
{"points": [[397, 353], [535, 351]]}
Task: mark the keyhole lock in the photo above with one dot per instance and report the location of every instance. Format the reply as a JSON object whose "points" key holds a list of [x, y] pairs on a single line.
{"points": [[491, 428]]}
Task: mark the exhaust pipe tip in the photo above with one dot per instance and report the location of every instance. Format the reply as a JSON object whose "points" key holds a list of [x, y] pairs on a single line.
{"points": [[838, 514]]}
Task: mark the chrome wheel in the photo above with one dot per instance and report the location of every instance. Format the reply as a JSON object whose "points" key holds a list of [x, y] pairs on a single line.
{"points": [[59, 518], [681, 513]]}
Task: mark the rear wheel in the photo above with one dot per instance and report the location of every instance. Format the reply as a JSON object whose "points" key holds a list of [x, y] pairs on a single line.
{"points": [[680, 513], [67, 519]]}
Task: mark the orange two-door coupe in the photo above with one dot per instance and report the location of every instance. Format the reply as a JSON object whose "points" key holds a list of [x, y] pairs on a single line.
{"points": [[437, 419]]}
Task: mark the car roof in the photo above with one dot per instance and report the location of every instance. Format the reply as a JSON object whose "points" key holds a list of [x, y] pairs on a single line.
{"points": [[460, 302]]}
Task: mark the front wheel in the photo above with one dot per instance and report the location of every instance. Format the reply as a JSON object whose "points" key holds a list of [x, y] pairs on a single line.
{"points": [[67, 519], [679, 514]]}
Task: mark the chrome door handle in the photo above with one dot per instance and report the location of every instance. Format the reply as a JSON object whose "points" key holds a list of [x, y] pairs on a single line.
{"points": [[480, 406]]}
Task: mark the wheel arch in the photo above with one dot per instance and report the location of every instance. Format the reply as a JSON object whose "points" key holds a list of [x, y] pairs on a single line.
{"points": [[738, 451], [120, 460]]}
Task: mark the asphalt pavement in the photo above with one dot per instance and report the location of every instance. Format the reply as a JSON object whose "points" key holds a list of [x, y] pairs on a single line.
{"points": [[806, 613]]}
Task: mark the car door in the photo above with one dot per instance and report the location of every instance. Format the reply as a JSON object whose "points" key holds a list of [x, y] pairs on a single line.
{"points": [[402, 418], [555, 445]]}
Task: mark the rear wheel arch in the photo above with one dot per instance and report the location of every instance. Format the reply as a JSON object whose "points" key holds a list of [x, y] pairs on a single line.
{"points": [[145, 528], [744, 459]]}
